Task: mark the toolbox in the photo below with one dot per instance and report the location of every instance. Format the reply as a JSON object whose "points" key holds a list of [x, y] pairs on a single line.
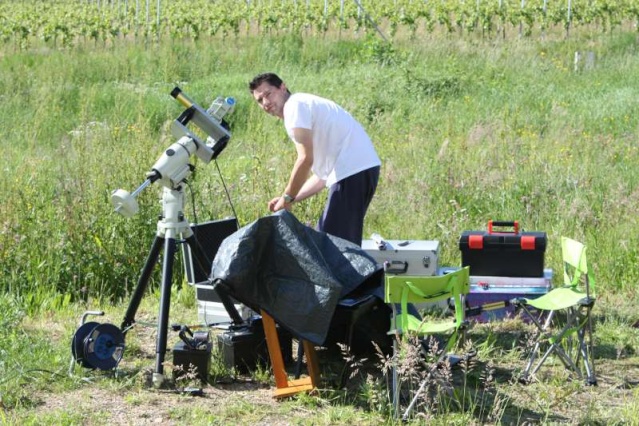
{"points": [[505, 253], [490, 296], [409, 257]]}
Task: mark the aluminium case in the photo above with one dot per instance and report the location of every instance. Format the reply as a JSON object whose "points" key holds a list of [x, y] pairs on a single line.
{"points": [[405, 257]]}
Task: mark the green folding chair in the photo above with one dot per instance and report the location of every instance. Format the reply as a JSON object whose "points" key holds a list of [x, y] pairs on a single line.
{"points": [[563, 318], [402, 290]]}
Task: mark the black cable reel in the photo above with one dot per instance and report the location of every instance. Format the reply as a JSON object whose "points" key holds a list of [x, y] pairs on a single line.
{"points": [[97, 346]]}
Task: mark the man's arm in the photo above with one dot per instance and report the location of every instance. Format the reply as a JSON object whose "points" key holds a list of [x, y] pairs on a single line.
{"points": [[304, 162], [312, 186], [301, 169]]}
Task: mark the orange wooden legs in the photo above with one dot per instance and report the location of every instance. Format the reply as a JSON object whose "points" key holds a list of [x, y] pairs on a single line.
{"points": [[286, 387]]}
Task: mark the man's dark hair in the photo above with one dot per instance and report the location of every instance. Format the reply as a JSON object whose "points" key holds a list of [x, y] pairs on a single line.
{"points": [[267, 77]]}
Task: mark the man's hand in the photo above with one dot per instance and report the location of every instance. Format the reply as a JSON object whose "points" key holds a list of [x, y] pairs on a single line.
{"points": [[278, 203]]}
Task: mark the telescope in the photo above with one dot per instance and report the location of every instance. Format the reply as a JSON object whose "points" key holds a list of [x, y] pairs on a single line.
{"points": [[173, 167], [101, 346]]}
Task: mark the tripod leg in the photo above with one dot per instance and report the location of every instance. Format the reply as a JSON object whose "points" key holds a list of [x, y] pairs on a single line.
{"points": [[140, 288], [202, 261], [165, 303]]}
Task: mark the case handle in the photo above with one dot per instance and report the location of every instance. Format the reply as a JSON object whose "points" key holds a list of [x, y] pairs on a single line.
{"points": [[395, 267], [510, 223]]}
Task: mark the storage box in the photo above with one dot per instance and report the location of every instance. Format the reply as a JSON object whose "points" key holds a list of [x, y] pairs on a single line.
{"points": [[192, 360], [504, 254], [244, 347], [489, 296], [210, 236], [361, 323], [409, 257]]}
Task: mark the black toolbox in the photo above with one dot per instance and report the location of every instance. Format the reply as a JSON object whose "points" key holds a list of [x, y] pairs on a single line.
{"points": [[192, 354], [503, 253]]}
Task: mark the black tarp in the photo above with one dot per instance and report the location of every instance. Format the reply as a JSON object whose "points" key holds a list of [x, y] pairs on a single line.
{"points": [[293, 272]]}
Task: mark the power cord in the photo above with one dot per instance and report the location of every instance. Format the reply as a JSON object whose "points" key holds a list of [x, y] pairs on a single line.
{"points": [[226, 192], [188, 184]]}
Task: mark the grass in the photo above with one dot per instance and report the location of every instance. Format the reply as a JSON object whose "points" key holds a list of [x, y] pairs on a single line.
{"points": [[468, 131]]}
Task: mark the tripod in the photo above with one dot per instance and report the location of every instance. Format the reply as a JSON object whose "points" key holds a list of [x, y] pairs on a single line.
{"points": [[172, 228]]}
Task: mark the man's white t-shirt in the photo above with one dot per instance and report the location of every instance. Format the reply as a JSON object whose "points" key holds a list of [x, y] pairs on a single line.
{"points": [[341, 147]]}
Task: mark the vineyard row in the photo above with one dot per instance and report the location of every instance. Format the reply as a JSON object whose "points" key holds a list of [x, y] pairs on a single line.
{"points": [[65, 22]]}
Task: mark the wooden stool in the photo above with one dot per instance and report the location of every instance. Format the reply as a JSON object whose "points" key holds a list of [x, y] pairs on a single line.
{"points": [[286, 387]]}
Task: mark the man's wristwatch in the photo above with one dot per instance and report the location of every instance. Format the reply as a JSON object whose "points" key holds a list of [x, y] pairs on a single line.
{"points": [[288, 199]]}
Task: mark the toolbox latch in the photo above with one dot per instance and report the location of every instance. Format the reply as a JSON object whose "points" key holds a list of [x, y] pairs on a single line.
{"points": [[476, 242], [527, 242]]}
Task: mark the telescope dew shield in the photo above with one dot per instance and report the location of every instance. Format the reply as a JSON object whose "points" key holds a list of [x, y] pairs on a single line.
{"points": [[201, 118], [181, 97]]}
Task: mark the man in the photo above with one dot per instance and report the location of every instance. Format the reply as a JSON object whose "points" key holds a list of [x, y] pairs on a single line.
{"points": [[333, 151]]}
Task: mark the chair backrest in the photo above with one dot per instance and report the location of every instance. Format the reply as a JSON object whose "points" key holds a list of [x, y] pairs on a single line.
{"points": [[404, 289], [576, 271]]}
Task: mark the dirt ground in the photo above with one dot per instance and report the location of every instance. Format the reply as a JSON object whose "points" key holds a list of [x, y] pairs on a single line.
{"points": [[107, 399], [131, 399], [151, 406]]}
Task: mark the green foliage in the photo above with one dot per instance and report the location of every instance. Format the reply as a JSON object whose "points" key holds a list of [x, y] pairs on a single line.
{"points": [[12, 315], [65, 23]]}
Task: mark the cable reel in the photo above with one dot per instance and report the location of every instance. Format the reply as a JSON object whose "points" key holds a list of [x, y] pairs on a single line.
{"points": [[98, 346]]}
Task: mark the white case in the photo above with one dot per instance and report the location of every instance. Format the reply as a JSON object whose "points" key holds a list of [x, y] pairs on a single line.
{"points": [[405, 257], [211, 310]]}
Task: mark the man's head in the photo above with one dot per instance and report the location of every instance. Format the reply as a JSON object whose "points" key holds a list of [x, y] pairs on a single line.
{"points": [[270, 92]]}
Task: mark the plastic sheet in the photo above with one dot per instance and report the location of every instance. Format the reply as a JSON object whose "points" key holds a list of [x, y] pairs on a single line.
{"points": [[295, 273]]}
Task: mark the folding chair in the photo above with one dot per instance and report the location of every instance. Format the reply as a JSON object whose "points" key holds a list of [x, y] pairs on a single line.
{"points": [[402, 290], [563, 318]]}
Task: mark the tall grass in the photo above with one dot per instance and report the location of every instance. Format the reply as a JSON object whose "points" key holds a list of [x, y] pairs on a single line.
{"points": [[467, 132]]}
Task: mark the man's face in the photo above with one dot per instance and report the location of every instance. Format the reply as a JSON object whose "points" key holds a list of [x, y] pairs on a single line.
{"points": [[271, 98]]}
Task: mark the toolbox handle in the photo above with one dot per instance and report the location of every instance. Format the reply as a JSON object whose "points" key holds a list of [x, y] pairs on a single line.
{"points": [[510, 223]]}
